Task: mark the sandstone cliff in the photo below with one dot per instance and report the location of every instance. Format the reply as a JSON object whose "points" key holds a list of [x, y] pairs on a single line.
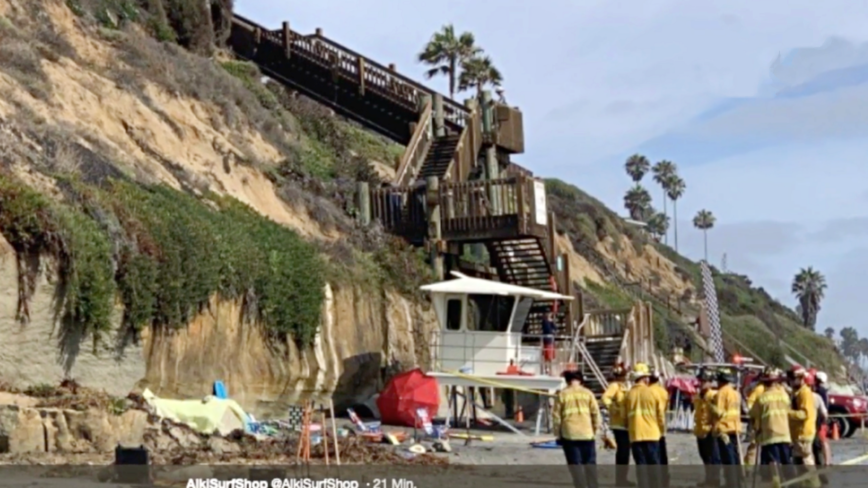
{"points": [[85, 100]]}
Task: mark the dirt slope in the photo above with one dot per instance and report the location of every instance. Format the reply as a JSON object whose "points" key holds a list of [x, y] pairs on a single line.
{"points": [[84, 102]]}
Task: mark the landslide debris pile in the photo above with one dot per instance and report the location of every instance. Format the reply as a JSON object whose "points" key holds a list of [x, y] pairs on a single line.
{"points": [[171, 443]]}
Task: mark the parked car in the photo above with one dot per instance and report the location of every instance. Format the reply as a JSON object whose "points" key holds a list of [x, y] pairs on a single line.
{"points": [[854, 406]]}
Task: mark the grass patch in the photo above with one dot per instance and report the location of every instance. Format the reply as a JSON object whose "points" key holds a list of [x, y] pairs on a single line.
{"points": [[164, 253]]}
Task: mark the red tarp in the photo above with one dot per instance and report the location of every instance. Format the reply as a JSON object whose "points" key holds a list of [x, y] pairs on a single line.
{"points": [[687, 386], [404, 394]]}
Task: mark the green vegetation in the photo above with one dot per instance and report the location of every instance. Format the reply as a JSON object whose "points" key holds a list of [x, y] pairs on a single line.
{"points": [[753, 322], [165, 254]]}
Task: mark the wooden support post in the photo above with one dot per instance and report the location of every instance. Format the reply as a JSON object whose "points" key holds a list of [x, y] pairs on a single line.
{"points": [[334, 431], [492, 168], [439, 116], [363, 202], [257, 36], [287, 39], [435, 236], [567, 290], [553, 245], [361, 67]]}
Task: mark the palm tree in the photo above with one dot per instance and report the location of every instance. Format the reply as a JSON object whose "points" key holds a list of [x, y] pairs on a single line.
{"points": [[637, 201], [809, 287], [675, 187], [478, 72], [704, 220], [637, 167], [658, 224], [849, 342], [829, 333], [863, 347], [446, 52], [663, 172]]}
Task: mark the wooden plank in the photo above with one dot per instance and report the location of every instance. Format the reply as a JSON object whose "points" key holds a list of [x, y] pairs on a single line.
{"points": [[287, 39]]}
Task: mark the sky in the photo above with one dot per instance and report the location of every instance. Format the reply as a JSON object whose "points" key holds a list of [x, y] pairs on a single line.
{"points": [[762, 105]]}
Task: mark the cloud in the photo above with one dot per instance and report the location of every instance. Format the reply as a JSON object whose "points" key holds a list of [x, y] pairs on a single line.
{"points": [[841, 229], [746, 244], [845, 297], [817, 95]]}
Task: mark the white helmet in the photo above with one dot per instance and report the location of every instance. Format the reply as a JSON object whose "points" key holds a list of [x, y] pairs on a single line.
{"points": [[821, 377]]}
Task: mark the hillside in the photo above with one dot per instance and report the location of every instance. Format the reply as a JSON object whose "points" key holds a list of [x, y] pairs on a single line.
{"points": [[626, 264], [169, 219]]}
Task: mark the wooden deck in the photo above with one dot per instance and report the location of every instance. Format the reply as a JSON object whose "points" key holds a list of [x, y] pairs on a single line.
{"points": [[473, 211]]}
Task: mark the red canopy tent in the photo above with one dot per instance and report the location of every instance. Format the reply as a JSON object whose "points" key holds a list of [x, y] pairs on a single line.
{"points": [[404, 394]]}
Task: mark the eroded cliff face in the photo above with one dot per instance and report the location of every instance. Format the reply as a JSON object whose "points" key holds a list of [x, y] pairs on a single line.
{"points": [[362, 331]]}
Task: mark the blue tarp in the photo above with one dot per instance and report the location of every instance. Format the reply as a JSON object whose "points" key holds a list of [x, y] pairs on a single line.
{"points": [[219, 390]]}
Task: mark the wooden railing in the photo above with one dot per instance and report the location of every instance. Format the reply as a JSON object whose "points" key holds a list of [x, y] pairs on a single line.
{"points": [[352, 66], [637, 346], [417, 149], [469, 144], [513, 169], [400, 210], [487, 205], [465, 208], [606, 322]]}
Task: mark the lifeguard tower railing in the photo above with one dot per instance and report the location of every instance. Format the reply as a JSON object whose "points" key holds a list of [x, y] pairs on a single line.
{"points": [[479, 354]]}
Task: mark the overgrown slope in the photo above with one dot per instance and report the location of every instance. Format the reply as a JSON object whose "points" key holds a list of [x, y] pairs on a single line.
{"points": [[631, 265], [156, 179]]}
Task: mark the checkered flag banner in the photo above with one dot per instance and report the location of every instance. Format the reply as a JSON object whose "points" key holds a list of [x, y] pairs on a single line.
{"points": [[712, 313]]}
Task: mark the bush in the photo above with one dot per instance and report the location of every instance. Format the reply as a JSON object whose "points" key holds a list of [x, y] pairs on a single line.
{"points": [[165, 253]]}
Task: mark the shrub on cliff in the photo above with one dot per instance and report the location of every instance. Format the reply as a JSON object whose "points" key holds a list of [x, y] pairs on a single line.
{"points": [[164, 253]]}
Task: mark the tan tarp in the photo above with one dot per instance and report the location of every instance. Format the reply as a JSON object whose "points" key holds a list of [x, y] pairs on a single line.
{"points": [[208, 415]]}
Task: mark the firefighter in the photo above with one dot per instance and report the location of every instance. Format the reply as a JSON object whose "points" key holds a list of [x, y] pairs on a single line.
{"points": [[663, 397], [756, 392], [823, 431], [803, 422], [702, 427], [576, 418], [726, 412], [769, 417], [613, 400], [645, 415]]}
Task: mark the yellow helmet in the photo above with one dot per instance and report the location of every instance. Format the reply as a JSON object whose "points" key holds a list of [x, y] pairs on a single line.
{"points": [[640, 370]]}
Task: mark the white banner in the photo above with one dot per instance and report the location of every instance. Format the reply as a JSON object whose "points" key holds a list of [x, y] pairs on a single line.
{"points": [[539, 195]]}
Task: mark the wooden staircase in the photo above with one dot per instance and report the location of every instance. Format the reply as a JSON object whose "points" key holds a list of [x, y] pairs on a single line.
{"points": [[439, 157], [523, 262], [352, 85], [443, 140], [613, 336], [605, 352]]}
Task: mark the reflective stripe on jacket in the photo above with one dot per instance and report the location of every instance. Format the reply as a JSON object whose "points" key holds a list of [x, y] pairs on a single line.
{"points": [[702, 418], [645, 414], [770, 416], [613, 400], [803, 416], [727, 411], [576, 415]]}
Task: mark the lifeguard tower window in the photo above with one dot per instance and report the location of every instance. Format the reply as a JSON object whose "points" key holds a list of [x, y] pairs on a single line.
{"points": [[453, 314], [489, 313]]}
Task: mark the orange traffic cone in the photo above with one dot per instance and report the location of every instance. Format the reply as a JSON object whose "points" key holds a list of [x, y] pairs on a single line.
{"points": [[835, 433], [519, 414]]}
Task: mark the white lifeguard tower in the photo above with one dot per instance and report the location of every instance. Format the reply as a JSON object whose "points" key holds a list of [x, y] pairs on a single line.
{"points": [[480, 343]]}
